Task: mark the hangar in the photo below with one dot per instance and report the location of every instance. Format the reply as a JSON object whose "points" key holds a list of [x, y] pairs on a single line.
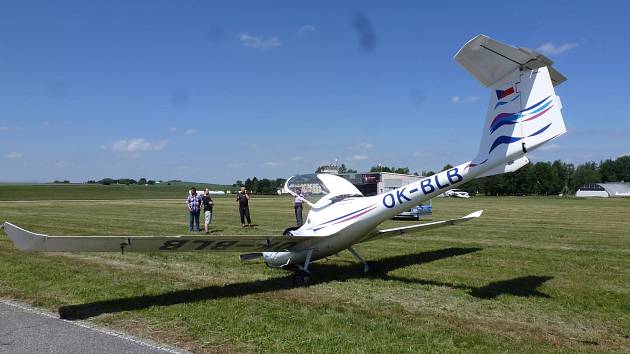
{"points": [[373, 183], [604, 190]]}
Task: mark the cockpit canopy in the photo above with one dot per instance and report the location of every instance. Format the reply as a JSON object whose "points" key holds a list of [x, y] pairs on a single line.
{"points": [[321, 189]]}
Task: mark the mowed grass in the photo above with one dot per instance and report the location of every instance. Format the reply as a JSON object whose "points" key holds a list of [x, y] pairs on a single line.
{"points": [[97, 191], [531, 275]]}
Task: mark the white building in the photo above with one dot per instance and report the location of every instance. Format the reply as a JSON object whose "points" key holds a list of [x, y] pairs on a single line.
{"points": [[373, 183], [604, 190]]}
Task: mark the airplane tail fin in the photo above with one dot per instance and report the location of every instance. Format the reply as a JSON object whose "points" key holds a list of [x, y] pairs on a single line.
{"points": [[524, 111]]}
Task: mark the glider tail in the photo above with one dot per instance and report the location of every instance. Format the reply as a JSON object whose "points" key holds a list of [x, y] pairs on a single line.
{"points": [[524, 111]]}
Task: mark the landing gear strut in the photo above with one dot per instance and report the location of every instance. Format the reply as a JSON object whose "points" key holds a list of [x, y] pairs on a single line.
{"points": [[302, 277], [366, 267]]}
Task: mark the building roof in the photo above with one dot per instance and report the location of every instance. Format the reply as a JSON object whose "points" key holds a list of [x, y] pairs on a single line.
{"points": [[617, 188]]}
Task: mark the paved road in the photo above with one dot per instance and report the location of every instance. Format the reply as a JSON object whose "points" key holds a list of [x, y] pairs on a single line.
{"points": [[27, 330]]}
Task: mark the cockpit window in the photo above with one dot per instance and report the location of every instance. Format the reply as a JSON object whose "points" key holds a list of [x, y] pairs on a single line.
{"points": [[321, 189], [309, 186]]}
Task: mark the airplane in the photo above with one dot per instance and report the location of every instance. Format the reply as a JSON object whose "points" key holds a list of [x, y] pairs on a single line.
{"points": [[523, 113]]}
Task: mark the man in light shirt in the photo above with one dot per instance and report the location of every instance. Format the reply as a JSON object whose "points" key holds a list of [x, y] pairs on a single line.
{"points": [[299, 200]]}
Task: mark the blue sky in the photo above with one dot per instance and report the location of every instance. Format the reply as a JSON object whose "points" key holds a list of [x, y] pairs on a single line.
{"points": [[205, 91]]}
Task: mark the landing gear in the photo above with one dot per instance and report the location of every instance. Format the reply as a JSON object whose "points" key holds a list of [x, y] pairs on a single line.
{"points": [[302, 277], [287, 231], [366, 267]]}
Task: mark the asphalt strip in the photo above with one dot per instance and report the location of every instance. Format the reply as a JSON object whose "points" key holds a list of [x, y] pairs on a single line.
{"points": [[25, 329]]}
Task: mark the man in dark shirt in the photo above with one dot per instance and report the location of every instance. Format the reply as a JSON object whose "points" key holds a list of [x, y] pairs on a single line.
{"points": [[194, 207], [207, 208], [243, 206]]}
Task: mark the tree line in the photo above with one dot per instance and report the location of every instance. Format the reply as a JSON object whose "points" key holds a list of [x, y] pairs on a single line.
{"points": [[127, 181], [551, 178], [541, 178], [261, 186]]}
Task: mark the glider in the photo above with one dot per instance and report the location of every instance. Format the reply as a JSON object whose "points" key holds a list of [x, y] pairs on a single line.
{"points": [[524, 113]]}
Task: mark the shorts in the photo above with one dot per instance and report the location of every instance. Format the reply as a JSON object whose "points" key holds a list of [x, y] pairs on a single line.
{"points": [[207, 217]]}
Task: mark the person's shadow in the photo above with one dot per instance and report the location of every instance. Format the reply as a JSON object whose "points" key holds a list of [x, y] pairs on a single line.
{"points": [[323, 273]]}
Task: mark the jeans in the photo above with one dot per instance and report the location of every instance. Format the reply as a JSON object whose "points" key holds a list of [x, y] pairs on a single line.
{"points": [[194, 218], [298, 214], [244, 211]]}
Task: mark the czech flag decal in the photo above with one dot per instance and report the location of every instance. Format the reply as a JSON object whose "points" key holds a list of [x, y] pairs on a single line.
{"points": [[504, 93]]}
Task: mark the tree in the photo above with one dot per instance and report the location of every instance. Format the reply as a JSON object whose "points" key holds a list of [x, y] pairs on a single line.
{"points": [[448, 166], [142, 181], [584, 174], [622, 168], [248, 184], [150, 182], [381, 168], [107, 181]]}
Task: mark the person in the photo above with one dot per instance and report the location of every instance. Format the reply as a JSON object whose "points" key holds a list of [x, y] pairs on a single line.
{"points": [[297, 205], [194, 204], [207, 208], [243, 206]]}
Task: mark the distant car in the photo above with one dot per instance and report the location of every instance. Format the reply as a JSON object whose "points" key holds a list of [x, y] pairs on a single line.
{"points": [[416, 212], [456, 193]]}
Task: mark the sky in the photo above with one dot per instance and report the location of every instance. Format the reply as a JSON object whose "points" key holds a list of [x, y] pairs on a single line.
{"points": [[219, 91]]}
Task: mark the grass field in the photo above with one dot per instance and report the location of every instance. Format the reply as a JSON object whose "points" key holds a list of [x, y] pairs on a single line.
{"points": [[531, 275], [98, 191]]}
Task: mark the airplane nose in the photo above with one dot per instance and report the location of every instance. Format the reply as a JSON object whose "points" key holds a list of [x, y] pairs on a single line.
{"points": [[275, 259]]}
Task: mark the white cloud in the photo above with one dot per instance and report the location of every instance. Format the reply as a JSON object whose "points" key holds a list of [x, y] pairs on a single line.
{"points": [[13, 155], [359, 157], [3, 128], [307, 29], [172, 129], [366, 145], [234, 165], [550, 147], [261, 42], [271, 164], [422, 154], [62, 164], [137, 145], [550, 49], [466, 99], [190, 132]]}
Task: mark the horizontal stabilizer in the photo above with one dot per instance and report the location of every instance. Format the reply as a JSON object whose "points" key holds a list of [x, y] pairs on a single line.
{"points": [[398, 231], [490, 61], [507, 168], [33, 242]]}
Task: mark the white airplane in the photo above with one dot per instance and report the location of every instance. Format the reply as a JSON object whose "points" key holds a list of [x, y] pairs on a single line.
{"points": [[524, 113]]}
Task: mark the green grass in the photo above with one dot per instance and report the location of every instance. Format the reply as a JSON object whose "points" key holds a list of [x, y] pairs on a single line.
{"points": [[531, 275], [101, 192]]}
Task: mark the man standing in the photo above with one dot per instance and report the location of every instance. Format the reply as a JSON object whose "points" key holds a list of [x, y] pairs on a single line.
{"points": [[207, 208], [194, 203], [243, 206], [299, 199]]}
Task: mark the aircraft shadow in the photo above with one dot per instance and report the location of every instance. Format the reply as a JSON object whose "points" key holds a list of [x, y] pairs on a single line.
{"points": [[323, 273]]}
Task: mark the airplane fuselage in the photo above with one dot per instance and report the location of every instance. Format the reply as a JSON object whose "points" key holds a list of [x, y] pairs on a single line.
{"points": [[352, 220]]}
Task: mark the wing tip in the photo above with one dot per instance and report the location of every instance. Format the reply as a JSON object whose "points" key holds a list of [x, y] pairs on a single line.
{"points": [[23, 239], [475, 214]]}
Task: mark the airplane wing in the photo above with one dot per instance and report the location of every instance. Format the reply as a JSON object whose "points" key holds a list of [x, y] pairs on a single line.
{"points": [[398, 231], [32, 242]]}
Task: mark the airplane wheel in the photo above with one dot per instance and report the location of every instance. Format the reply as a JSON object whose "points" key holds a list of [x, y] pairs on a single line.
{"points": [[302, 279], [373, 268]]}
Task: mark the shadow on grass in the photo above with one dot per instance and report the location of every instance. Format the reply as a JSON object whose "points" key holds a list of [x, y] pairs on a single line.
{"points": [[324, 273]]}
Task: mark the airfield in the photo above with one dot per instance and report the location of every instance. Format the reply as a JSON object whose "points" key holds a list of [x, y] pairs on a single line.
{"points": [[533, 274]]}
